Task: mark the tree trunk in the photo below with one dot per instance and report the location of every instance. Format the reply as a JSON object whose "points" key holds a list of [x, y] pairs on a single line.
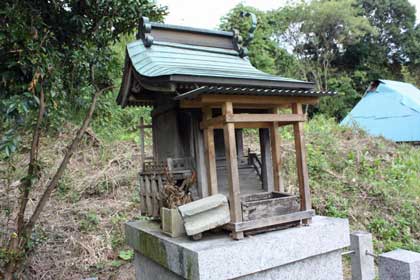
{"points": [[25, 187], [19, 240]]}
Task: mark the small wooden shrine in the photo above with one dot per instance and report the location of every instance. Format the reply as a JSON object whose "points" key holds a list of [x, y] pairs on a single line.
{"points": [[204, 92]]}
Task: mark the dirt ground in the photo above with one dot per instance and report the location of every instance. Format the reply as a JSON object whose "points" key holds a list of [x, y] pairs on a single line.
{"points": [[81, 231]]}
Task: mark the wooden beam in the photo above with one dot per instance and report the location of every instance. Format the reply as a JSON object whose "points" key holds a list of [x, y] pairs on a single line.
{"points": [[196, 103], [258, 100], [213, 122], [302, 168], [284, 118], [243, 125], [276, 156], [210, 154], [252, 120], [271, 221], [188, 104], [233, 174]]}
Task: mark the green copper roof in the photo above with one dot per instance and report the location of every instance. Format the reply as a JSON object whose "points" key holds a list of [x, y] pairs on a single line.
{"points": [[163, 59]]}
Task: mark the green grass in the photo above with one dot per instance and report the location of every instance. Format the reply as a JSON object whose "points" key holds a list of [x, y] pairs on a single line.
{"points": [[372, 181]]}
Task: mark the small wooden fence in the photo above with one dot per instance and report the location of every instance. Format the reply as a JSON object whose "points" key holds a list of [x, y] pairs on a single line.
{"points": [[152, 180]]}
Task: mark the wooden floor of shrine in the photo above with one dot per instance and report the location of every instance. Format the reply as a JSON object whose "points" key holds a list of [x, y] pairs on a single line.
{"points": [[249, 180]]}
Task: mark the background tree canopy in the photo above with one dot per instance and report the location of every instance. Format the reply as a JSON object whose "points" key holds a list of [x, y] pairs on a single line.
{"points": [[56, 55], [67, 48], [340, 45]]}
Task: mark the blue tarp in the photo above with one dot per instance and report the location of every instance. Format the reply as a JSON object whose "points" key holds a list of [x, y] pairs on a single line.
{"points": [[391, 111]]}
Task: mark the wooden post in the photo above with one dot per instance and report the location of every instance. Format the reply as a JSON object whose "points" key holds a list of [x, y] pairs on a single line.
{"points": [[266, 161], [276, 155], [302, 168], [239, 143], [210, 153], [142, 141], [233, 174]]}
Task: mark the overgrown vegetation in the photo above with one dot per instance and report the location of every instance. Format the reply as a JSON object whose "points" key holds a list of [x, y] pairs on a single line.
{"points": [[81, 234], [341, 45], [370, 180], [68, 50], [56, 57]]}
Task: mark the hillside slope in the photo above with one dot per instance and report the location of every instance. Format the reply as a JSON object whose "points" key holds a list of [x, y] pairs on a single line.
{"points": [[370, 180], [373, 182]]}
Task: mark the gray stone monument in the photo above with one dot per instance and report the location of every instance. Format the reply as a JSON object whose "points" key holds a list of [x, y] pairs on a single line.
{"points": [[305, 252], [399, 265], [362, 264]]}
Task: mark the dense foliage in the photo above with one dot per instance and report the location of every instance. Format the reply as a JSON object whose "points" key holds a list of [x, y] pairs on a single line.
{"points": [[340, 45], [374, 184], [69, 49], [56, 57], [63, 47]]}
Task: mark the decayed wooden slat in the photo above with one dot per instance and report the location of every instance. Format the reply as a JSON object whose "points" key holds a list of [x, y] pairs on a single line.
{"points": [[210, 154], [149, 204], [266, 222], [142, 196], [273, 204], [233, 176], [155, 193], [160, 190], [302, 168]]}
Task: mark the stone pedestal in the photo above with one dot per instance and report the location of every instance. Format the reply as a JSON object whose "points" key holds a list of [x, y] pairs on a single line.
{"points": [[362, 264], [399, 265], [306, 252]]}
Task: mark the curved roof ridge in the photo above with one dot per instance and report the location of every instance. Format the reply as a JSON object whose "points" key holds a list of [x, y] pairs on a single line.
{"points": [[167, 58]]}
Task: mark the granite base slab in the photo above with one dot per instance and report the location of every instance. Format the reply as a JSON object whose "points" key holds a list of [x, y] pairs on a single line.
{"points": [[306, 252]]}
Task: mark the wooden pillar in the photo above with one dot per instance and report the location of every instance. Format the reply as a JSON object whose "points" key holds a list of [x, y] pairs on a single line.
{"points": [[266, 162], [239, 142], [302, 168], [232, 166], [210, 154], [276, 155], [142, 141], [200, 157]]}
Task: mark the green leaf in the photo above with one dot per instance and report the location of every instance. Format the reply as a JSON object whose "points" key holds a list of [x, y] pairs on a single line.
{"points": [[126, 255], [116, 263]]}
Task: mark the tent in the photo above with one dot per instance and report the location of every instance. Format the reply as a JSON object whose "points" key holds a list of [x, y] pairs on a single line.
{"points": [[390, 109]]}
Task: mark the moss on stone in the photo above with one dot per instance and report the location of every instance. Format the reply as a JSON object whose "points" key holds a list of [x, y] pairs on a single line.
{"points": [[151, 247], [189, 266]]}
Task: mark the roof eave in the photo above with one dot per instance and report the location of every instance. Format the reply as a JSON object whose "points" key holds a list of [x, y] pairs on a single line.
{"points": [[240, 82]]}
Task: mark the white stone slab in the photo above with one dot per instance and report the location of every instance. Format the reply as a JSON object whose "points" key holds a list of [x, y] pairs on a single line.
{"points": [[205, 214], [321, 267]]}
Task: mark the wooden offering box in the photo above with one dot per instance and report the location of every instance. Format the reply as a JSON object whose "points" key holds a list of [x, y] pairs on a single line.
{"points": [[268, 204]]}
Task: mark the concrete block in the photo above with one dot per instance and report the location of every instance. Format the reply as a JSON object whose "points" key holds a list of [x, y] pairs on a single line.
{"points": [[205, 214], [322, 267], [362, 264], [399, 265], [172, 223], [219, 257]]}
